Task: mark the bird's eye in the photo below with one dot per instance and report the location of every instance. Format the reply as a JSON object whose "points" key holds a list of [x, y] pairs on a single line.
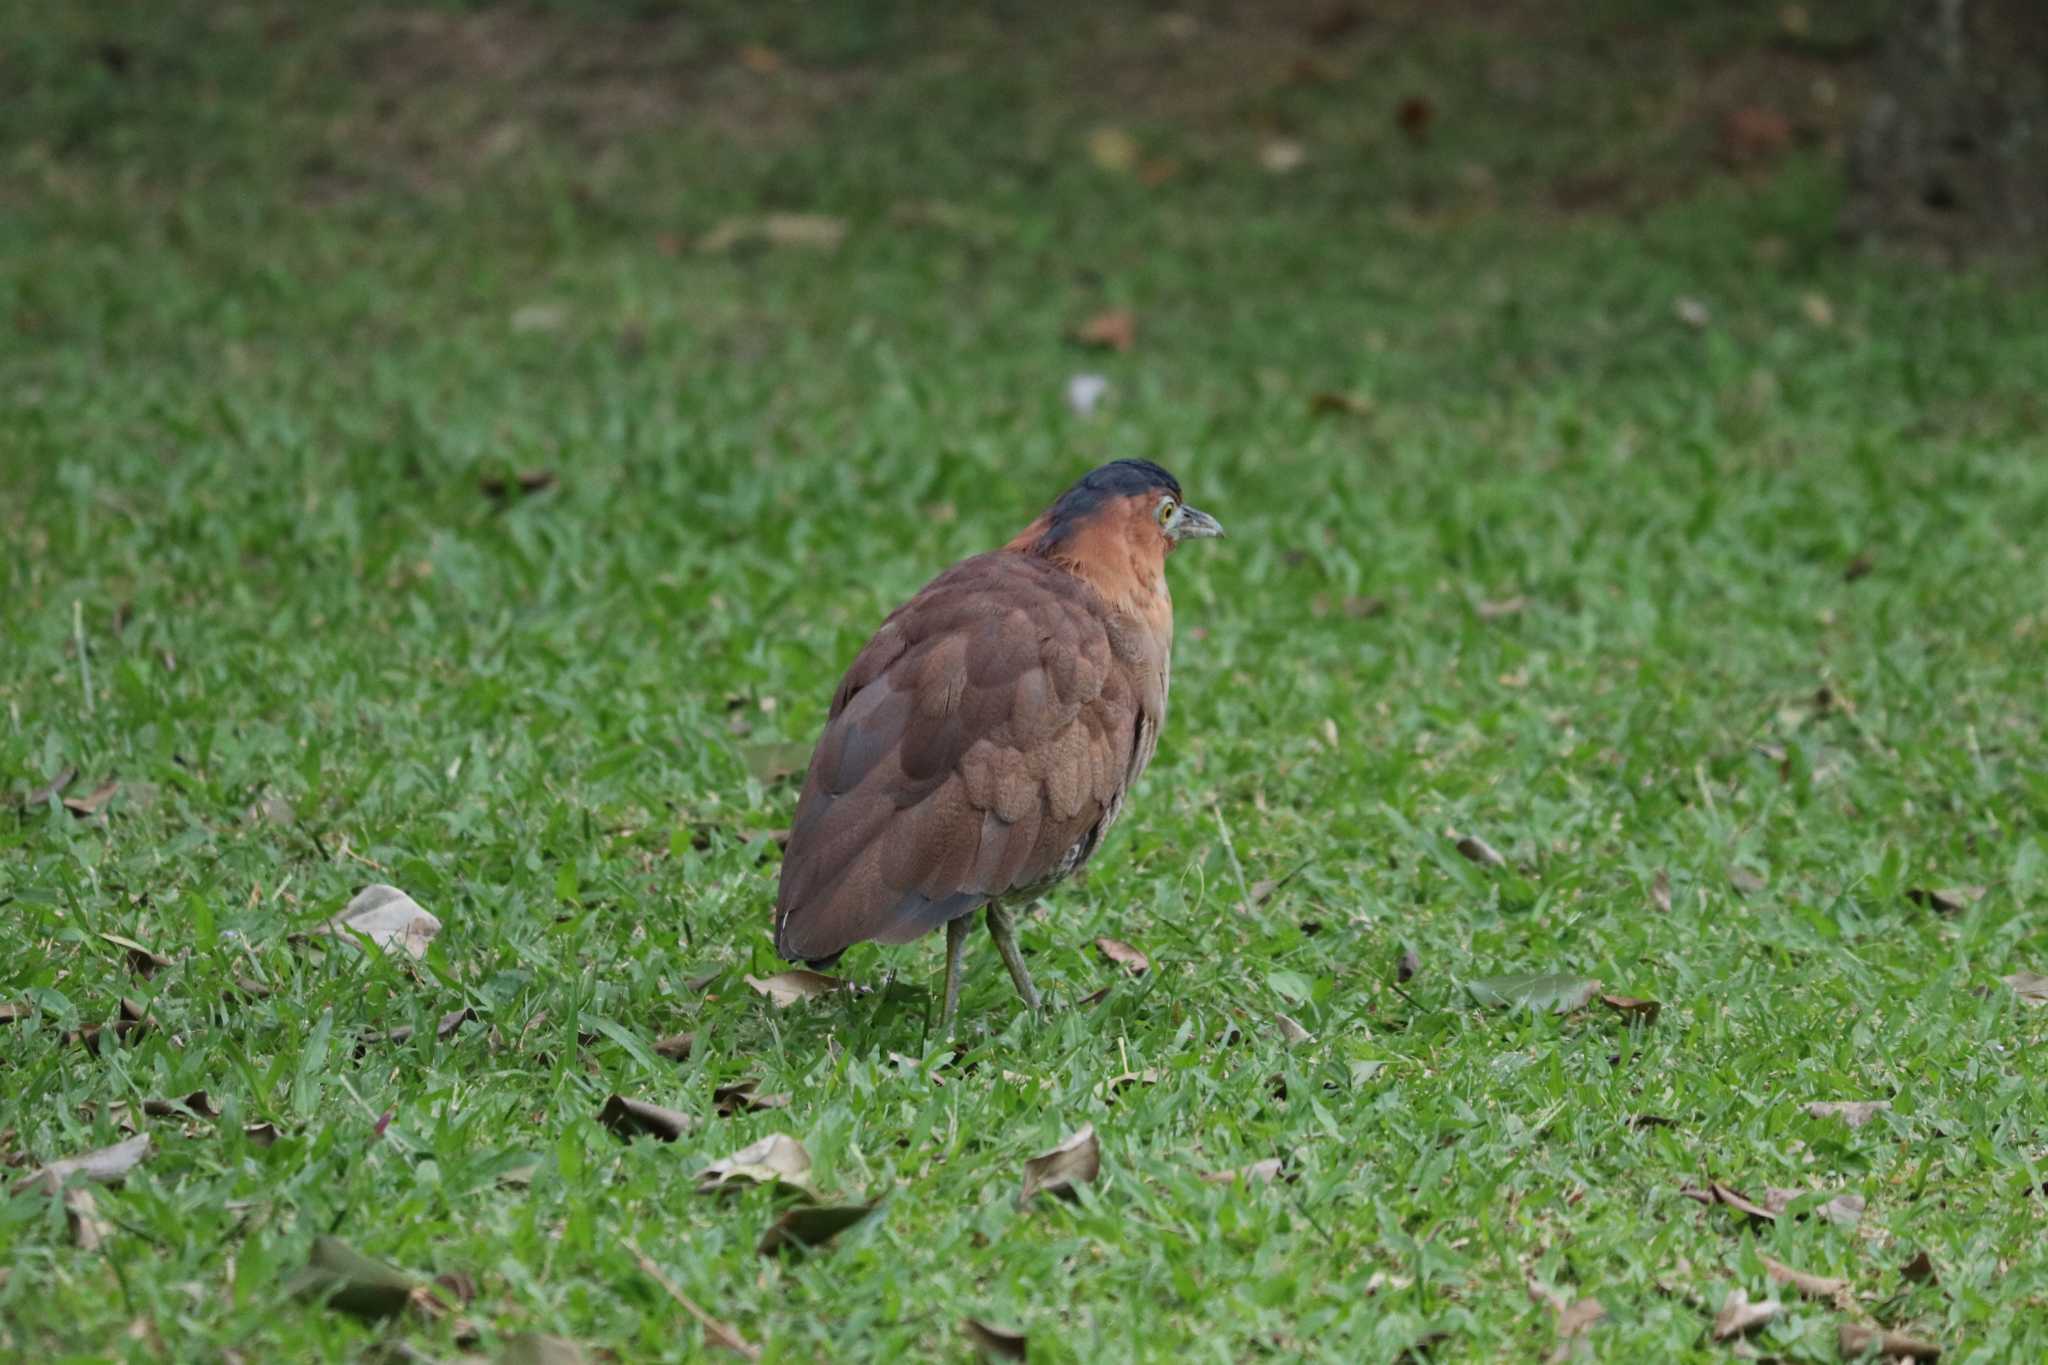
{"points": [[1167, 507]]}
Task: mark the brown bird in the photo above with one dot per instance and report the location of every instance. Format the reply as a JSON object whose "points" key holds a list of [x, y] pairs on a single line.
{"points": [[984, 740]]}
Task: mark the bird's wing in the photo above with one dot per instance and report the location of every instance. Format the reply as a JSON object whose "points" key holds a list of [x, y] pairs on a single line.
{"points": [[978, 745]]}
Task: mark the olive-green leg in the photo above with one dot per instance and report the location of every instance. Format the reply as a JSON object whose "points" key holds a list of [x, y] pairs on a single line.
{"points": [[1004, 931], [956, 953]]}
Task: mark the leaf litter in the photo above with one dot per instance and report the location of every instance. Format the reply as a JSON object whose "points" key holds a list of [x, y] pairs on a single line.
{"points": [[1075, 1162], [1124, 955], [777, 1159], [388, 917]]}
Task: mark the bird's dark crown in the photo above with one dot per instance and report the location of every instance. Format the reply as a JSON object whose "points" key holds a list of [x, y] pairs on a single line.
{"points": [[1117, 479]]}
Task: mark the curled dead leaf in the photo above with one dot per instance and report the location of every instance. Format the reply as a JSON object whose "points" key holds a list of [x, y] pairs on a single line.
{"points": [[1920, 1270], [144, 961], [349, 1282], [64, 778], [633, 1118], [1114, 330], [1410, 964], [676, 1047], [1479, 851], [1811, 1285], [1855, 1341], [1291, 1032], [102, 1166], [995, 1343], [1746, 880], [775, 1158], [2031, 987], [82, 1214], [811, 1225], [1258, 1173], [389, 918], [1739, 1316], [91, 803], [1854, 1113], [1124, 955], [786, 988], [1952, 900], [1076, 1161], [1636, 1011], [1660, 891], [744, 1097]]}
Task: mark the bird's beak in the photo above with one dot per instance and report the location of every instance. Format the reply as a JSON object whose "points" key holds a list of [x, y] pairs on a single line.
{"points": [[1192, 524]]}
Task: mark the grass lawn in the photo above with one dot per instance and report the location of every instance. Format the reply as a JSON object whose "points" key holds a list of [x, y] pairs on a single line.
{"points": [[1585, 495]]}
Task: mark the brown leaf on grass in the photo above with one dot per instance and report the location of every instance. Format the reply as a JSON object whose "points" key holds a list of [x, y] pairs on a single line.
{"points": [[1093, 998], [1114, 330], [1859, 567], [1843, 1209], [1811, 1285], [811, 231], [775, 1158], [1505, 606], [810, 1225], [347, 1281], [64, 778], [1291, 1032], [743, 1097], [1855, 1113], [12, 1011], [2031, 987], [1108, 1090], [786, 988], [90, 804], [142, 960], [631, 1118], [198, 1104], [1746, 880], [1124, 955], [270, 808], [1077, 1161], [677, 1047], [82, 1213], [1644, 1012], [389, 918], [102, 1166], [1574, 1320], [1855, 1341], [1660, 891], [1479, 851], [1951, 900], [457, 1286], [1920, 1270], [1258, 1173], [260, 1134], [503, 486], [1739, 1316], [1333, 403], [536, 1348], [1409, 966], [249, 988], [995, 1343]]}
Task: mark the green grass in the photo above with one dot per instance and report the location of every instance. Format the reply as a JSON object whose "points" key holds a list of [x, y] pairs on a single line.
{"points": [[277, 297]]}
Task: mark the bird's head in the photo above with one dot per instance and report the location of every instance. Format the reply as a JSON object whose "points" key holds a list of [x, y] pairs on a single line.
{"points": [[1117, 523]]}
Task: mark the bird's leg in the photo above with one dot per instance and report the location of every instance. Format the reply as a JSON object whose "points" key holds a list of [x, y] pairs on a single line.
{"points": [[1004, 931], [956, 952]]}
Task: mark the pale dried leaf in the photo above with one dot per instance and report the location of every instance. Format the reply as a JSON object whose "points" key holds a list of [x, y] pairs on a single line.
{"points": [[1075, 1162], [1258, 1173], [632, 1118], [1292, 1032], [82, 1213], [995, 1343], [676, 1047], [777, 1157], [786, 988], [1409, 965], [1660, 891], [1811, 1285], [810, 1225], [1479, 851], [388, 918], [744, 1097], [90, 804], [1855, 1341], [1951, 900], [1746, 880], [349, 1282], [1738, 1315], [1644, 1012], [103, 1166], [2031, 987], [1855, 1113], [1124, 955], [143, 960]]}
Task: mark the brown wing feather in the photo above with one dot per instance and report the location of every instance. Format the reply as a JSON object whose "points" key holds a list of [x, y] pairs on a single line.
{"points": [[979, 745]]}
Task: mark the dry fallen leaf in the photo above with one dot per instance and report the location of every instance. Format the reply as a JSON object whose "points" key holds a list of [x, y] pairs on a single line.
{"points": [[786, 988], [995, 1343], [63, 779], [536, 1348], [1075, 1162], [811, 1225], [83, 806], [1952, 900], [1108, 1090], [1479, 851], [631, 1118], [1292, 1032], [388, 918], [1859, 567], [82, 1213], [349, 1282], [1660, 891], [1854, 1340], [1811, 1285], [1628, 1007], [775, 1158], [1844, 1209], [1920, 1270], [1855, 1113], [2031, 987], [744, 1097], [144, 961], [1746, 880], [1506, 606], [1574, 1321], [1540, 992], [1409, 965], [1258, 1173], [1124, 955], [1738, 1315], [104, 1166], [676, 1047], [814, 231], [1114, 330]]}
